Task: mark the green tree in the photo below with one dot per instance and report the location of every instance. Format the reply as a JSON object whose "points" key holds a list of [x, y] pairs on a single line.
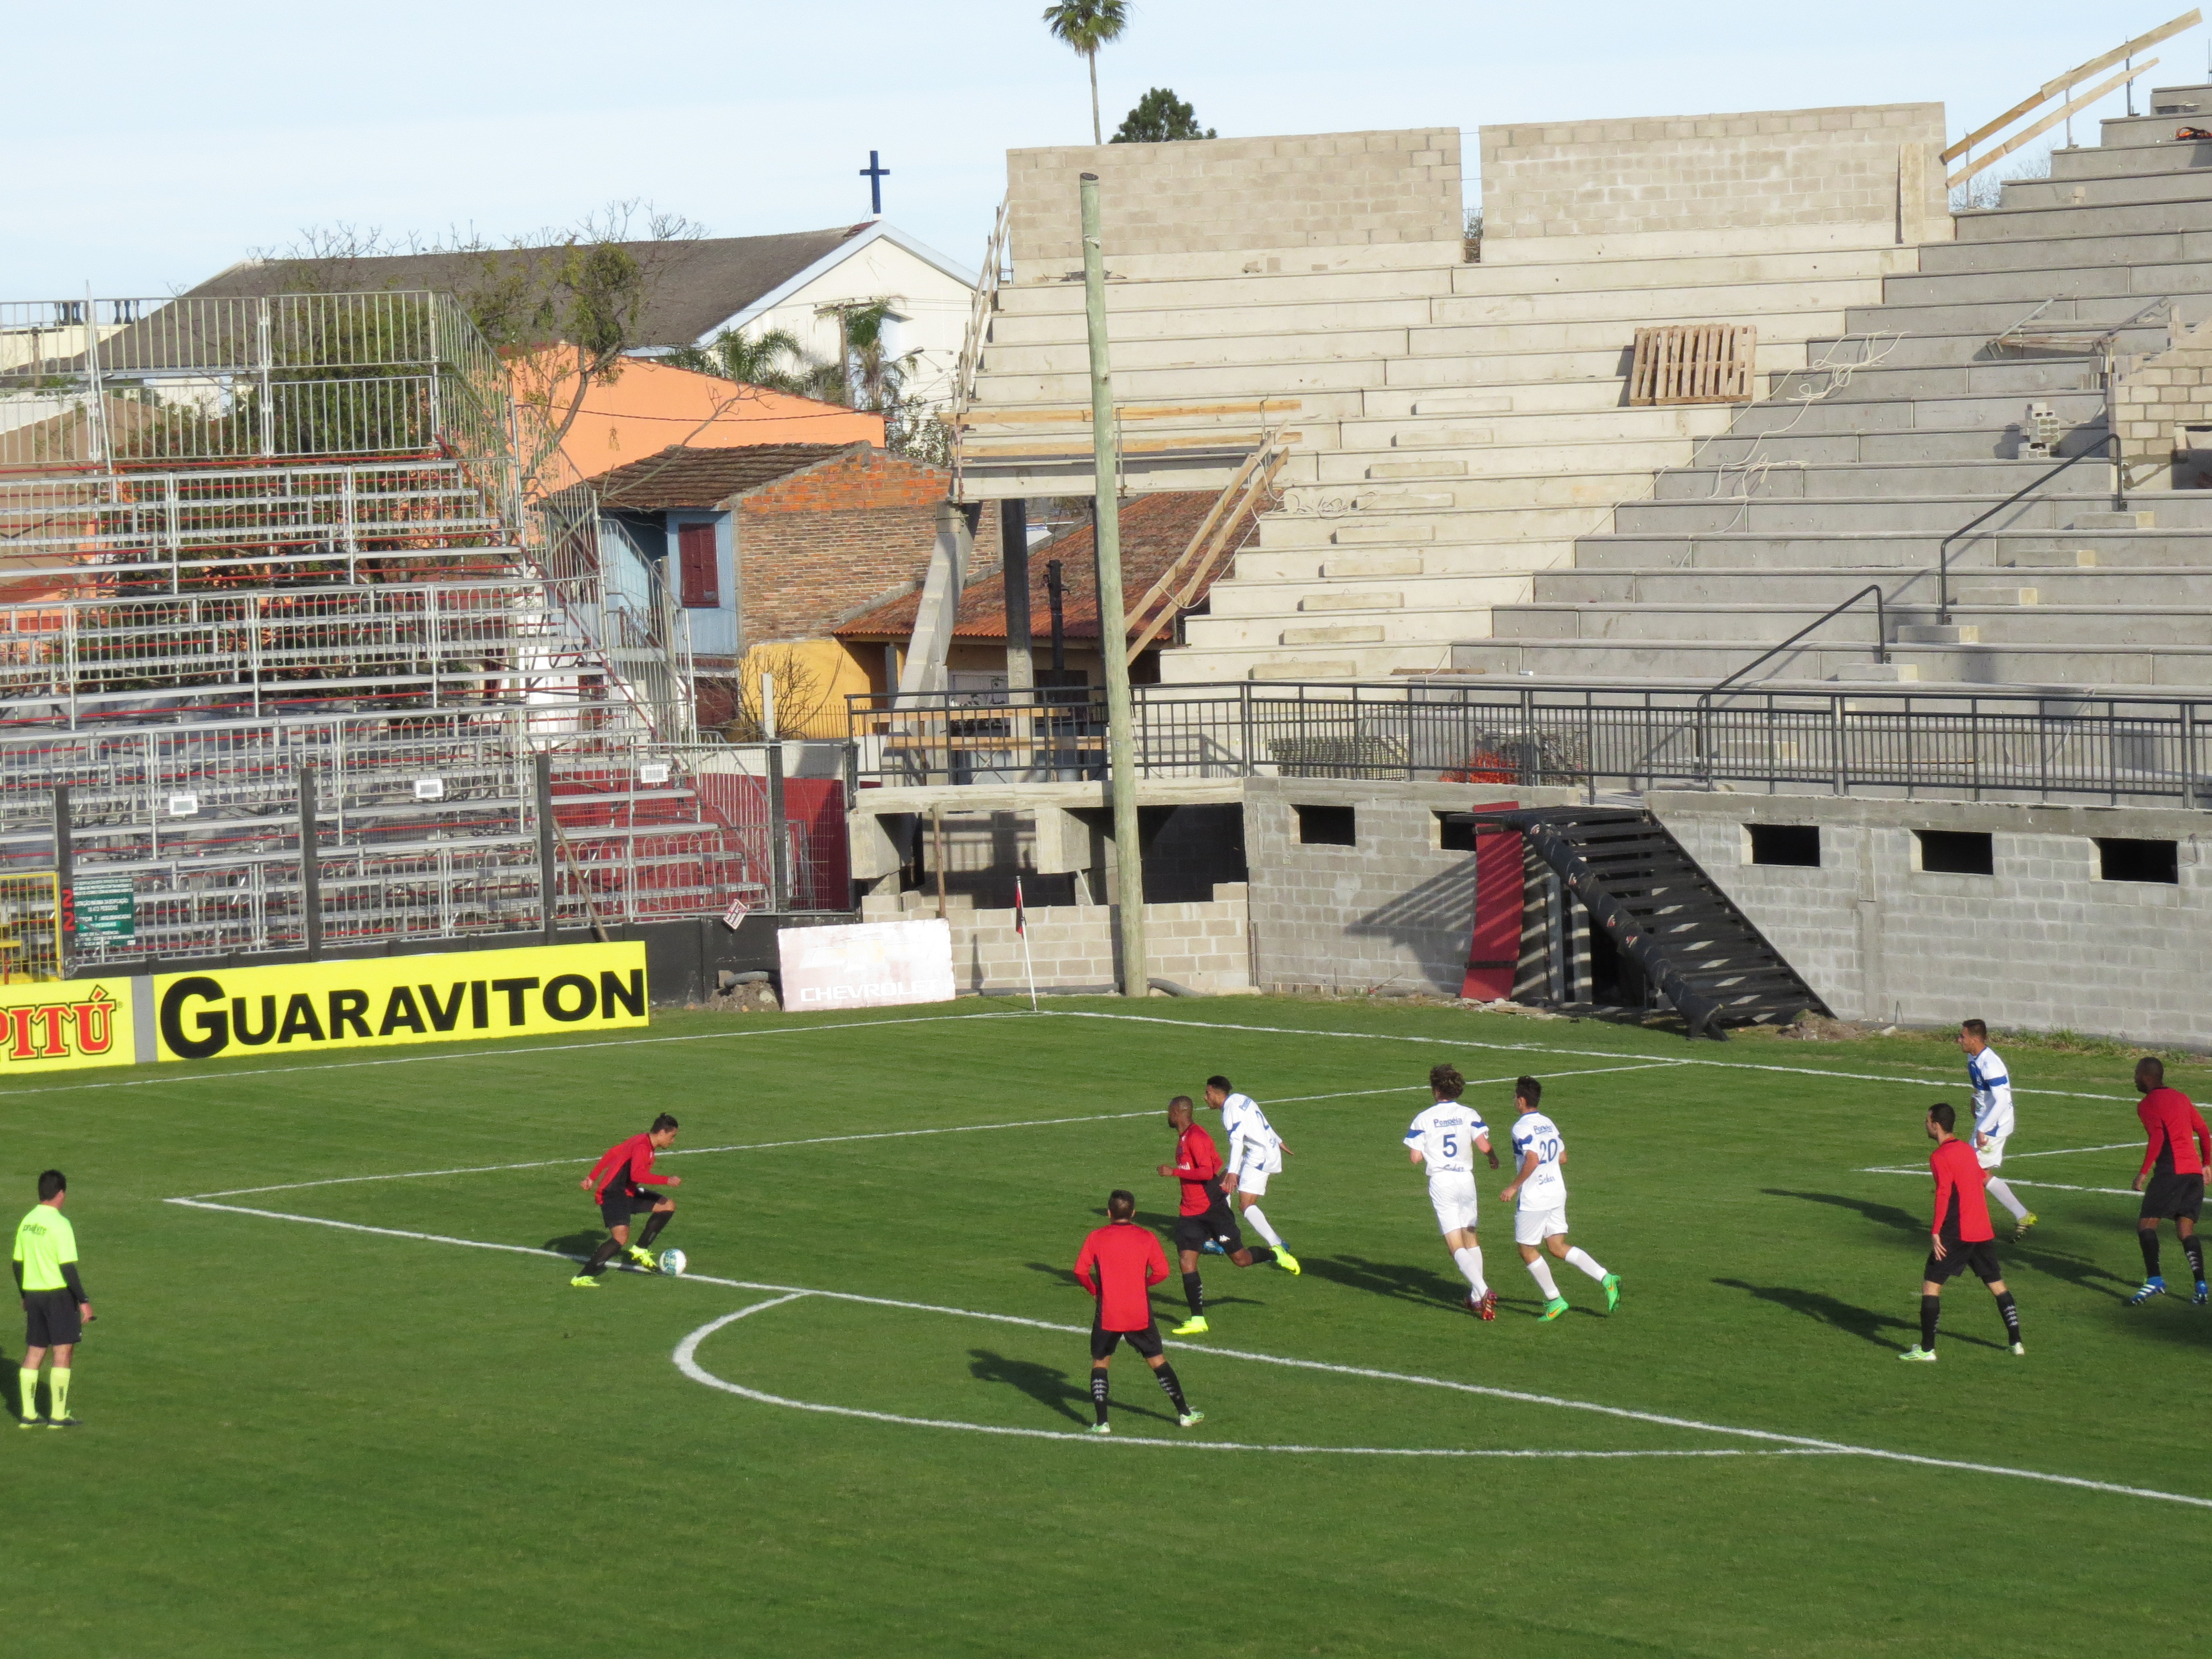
{"points": [[1085, 26], [773, 359], [1159, 118]]}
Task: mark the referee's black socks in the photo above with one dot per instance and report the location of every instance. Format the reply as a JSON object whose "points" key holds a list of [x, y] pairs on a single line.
{"points": [[1167, 1381], [1931, 1309], [1193, 1293]]}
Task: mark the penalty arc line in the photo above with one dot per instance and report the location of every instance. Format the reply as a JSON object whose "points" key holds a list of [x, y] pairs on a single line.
{"points": [[1625, 1413]]}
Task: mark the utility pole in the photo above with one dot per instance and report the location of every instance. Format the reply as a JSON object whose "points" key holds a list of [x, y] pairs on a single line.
{"points": [[1113, 657]]}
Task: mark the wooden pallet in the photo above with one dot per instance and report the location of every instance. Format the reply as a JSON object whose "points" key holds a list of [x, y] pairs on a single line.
{"points": [[1693, 363]]}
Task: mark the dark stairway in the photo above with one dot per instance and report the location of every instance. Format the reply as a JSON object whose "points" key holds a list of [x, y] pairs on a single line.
{"points": [[1664, 913]]}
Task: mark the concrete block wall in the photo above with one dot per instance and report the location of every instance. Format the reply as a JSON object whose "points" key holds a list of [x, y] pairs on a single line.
{"points": [[1202, 946], [1692, 173], [2155, 395], [1220, 195], [2042, 943]]}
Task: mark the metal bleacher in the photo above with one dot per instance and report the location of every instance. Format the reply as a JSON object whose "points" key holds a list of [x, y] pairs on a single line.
{"points": [[249, 542]]}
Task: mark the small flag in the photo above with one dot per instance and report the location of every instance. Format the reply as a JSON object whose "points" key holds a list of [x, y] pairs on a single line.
{"points": [[1021, 918], [736, 913]]}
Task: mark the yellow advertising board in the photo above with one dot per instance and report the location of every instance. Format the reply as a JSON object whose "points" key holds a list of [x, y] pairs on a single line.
{"points": [[376, 1002], [57, 1025]]}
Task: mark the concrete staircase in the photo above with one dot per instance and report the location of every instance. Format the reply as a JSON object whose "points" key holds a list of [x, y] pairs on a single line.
{"points": [[1460, 425], [1847, 477]]}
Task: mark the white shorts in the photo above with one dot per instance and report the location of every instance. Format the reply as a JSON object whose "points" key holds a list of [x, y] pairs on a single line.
{"points": [[1451, 1192], [1534, 1226], [1252, 1175], [1991, 1156]]}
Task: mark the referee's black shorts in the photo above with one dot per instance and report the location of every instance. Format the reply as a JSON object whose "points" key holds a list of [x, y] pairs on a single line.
{"points": [[2174, 1196], [51, 1319], [1146, 1341], [1981, 1257]]}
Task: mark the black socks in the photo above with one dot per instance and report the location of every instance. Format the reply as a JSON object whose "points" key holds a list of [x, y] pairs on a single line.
{"points": [[2147, 1237], [1168, 1383], [601, 1256], [1193, 1294], [1261, 1253], [660, 1218], [2193, 1248], [1931, 1308], [1098, 1392], [2011, 1312]]}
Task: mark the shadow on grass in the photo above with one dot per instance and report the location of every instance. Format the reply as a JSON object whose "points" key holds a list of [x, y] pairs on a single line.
{"points": [[1048, 1385], [576, 1244], [1393, 1279], [1862, 1322], [1888, 1214]]}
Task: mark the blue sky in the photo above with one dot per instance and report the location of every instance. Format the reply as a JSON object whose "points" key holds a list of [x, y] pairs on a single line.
{"points": [[155, 145]]}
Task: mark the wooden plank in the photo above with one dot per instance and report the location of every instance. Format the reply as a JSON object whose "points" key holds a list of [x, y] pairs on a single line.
{"points": [[2074, 77], [2049, 122]]}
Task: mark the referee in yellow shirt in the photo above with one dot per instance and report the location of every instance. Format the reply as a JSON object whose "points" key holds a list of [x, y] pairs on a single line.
{"points": [[54, 1307]]}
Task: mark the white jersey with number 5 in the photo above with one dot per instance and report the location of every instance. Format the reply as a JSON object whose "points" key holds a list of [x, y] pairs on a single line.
{"points": [[1444, 1135], [1547, 1187]]}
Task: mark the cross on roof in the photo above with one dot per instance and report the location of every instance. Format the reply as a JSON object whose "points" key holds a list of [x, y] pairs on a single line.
{"points": [[875, 172]]}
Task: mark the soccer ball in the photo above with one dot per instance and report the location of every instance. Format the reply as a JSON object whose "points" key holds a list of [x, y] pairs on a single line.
{"points": [[672, 1261]]}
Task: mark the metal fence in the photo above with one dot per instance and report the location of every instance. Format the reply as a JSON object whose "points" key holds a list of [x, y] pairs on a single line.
{"points": [[425, 826], [1950, 744]]}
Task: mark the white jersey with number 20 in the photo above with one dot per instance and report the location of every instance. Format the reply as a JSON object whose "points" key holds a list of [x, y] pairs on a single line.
{"points": [[1545, 1188]]}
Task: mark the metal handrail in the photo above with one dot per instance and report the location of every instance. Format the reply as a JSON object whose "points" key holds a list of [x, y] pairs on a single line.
{"points": [[2112, 440], [1880, 638]]}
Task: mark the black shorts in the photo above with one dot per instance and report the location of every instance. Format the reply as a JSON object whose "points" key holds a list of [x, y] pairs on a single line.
{"points": [[1217, 1224], [1981, 1257], [618, 1207], [51, 1319], [1146, 1341], [2175, 1195]]}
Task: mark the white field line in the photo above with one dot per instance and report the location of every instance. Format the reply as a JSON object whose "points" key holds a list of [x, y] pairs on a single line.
{"points": [[1540, 1049], [1765, 1437], [170, 1074], [2055, 1186], [1472, 1082], [2067, 1151], [826, 1140]]}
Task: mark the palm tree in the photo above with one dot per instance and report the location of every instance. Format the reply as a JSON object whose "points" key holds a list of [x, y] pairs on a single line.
{"points": [[1087, 25], [773, 359]]}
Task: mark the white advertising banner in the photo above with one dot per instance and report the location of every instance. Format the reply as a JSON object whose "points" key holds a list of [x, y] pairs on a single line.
{"points": [[870, 964]]}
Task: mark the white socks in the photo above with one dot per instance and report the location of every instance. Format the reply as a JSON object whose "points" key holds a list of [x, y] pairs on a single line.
{"points": [[1260, 1221], [1540, 1271], [1579, 1257], [1470, 1263], [2003, 1194]]}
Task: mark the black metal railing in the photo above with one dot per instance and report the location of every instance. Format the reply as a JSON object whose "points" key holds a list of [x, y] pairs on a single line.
{"points": [[2111, 440], [1947, 742]]}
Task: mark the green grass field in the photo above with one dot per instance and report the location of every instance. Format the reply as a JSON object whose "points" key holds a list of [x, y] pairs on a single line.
{"points": [[304, 1438]]}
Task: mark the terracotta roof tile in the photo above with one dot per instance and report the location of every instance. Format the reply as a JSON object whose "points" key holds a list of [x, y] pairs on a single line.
{"points": [[679, 476]]}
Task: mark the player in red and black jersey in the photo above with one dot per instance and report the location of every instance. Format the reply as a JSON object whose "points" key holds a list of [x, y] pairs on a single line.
{"points": [[1119, 1264], [2179, 1146], [623, 1183], [1960, 1237], [1205, 1213]]}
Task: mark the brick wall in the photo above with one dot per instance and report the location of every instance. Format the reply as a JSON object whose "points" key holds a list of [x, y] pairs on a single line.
{"points": [[2154, 395], [1199, 945], [1702, 173], [817, 546], [1222, 195]]}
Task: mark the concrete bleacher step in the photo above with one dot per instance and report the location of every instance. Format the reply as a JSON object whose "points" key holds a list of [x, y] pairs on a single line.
{"points": [[1936, 515], [1759, 624], [2091, 162], [1836, 549], [1889, 447], [2071, 584], [1704, 661], [1776, 479]]}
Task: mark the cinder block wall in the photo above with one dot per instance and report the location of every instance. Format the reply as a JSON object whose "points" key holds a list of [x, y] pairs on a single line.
{"points": [[2043, 942], [1705, 173], [1227, 195], [2156, 394], [1201, 946]]}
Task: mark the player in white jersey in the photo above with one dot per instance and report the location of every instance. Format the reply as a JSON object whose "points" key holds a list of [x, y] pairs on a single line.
{"points": [[1993, 1117], [1446, 1137], [1255, 1152], [1542, 1218]]}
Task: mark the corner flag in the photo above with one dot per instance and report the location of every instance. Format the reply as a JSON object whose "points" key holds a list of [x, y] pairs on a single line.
{"points": [[1022, 932]]}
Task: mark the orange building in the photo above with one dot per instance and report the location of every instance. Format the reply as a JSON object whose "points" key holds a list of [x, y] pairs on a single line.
{"points": [[649, 407]]}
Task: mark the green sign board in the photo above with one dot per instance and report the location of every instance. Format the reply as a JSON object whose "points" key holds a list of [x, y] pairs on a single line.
{"points": [[107, 908]]}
